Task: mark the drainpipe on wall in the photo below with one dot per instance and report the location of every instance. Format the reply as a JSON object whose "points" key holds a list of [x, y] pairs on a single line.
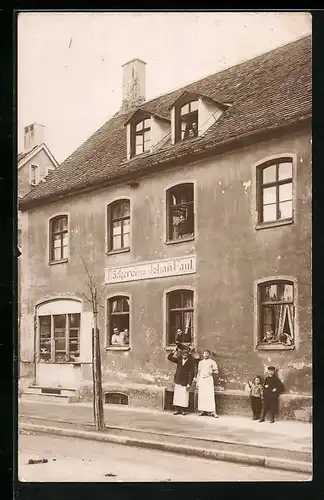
{"points": [[35, 350]]}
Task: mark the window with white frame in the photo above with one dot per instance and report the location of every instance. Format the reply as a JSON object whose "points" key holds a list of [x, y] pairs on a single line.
{"points": [[118, 331], [180, 316], [33, 175], [186, 116], [59, 338], [180, 212], [118, 225], [59, 238], [276, 313], [275, 191], [140, 136]]}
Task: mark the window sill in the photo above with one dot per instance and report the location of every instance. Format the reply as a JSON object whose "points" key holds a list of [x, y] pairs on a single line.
{"points": [[266, 225], [274, 347], [74, 363], [118, 348], [180, 240], [54, 262], [121, 250], [172, 347]]}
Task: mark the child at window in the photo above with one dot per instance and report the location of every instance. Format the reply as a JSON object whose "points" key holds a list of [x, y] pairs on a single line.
{"points": [[256, 397], [272, 388], [269, 337]]}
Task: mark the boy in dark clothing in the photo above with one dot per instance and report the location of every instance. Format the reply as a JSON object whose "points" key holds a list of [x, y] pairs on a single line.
{"points": [[272, 388]]}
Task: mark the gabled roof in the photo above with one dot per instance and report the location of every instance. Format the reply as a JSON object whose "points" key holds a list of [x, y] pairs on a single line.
{"points": [[187, 93], [28, 155], [268, 92], [142, 110]]}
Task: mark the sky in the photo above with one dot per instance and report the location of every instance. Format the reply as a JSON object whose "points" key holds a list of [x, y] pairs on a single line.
{"points": [[70, 64]]}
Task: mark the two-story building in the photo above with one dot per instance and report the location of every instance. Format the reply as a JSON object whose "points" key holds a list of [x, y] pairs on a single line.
{"points": [[190, 211], [34, 164]]}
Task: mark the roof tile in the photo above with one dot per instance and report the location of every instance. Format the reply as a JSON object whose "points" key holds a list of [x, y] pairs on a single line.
{"points": [[270, 90]]}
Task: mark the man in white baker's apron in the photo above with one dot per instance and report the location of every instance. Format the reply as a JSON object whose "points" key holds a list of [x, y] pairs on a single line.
{"points": [[183, 378]]}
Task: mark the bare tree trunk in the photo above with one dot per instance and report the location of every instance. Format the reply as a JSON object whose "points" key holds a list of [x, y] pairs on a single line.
{"points": [[92, 297], [99, 421], [93, 375]]}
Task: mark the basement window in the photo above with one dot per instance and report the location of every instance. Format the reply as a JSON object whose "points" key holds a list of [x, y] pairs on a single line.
{"points": [[116, 398]]}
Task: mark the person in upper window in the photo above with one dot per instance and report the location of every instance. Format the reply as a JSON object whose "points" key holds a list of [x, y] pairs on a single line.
{"points": [[117, 338], [269, 337], [194, 129], [126, 336], [183, 226]]}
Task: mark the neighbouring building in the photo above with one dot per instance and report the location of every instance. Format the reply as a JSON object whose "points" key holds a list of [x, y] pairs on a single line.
{"points": [[190, 211], [34, 164]]}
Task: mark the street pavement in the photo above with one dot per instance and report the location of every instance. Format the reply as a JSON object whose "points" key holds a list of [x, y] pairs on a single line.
{"points": [[282, 435], [75, 460]]}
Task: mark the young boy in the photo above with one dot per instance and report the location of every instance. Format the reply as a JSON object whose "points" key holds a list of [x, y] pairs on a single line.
{"points": [[272, 388]]}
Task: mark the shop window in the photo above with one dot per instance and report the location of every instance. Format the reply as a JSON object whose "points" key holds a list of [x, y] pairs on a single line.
{"points": [[119, 225], [180, 212], [141, 137], [118, 321], [59, 238], [275, 191], [59, 338], [180, 316], [276, 314], [186, 120]]}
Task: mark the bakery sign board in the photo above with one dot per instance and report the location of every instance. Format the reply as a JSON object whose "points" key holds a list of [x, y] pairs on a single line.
{"points": [[153, 269]]}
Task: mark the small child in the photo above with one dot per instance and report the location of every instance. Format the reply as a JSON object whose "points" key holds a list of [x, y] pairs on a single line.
{"points": [[273, 387], [256, 397]]}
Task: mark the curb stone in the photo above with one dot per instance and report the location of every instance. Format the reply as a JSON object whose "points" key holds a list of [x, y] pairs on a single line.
{"points": [[274, 463]]}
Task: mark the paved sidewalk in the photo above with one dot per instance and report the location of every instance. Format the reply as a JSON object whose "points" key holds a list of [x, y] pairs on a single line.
{"points": [[284, 435]]}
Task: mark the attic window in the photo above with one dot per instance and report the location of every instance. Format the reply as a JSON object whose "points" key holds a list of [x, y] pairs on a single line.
{"points": [[187, 121], [141, 137], [34, 175]]}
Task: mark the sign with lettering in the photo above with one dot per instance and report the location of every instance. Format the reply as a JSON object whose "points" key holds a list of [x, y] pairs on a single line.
{"points": [[153, 269]]}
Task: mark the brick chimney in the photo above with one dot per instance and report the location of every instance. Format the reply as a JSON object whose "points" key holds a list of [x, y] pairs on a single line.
{"points": [[133, 84], [33, 136]]}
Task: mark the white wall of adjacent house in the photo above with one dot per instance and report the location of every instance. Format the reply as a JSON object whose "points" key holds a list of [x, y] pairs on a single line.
{"points": [[173, 125], [160, 131], [208, 114]]}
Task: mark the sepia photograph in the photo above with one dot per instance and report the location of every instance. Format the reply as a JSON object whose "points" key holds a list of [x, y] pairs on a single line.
{"points": [[164, 246]]}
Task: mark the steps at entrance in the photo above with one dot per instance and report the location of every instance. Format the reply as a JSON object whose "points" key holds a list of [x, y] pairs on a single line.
{"points": [[52, 394]]}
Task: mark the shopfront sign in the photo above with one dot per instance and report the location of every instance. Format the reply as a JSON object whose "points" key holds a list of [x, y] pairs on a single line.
{"points": [[153, 269]]}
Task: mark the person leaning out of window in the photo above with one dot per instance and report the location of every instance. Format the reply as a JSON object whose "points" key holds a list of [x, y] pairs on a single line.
{"points": [[120, 338]]}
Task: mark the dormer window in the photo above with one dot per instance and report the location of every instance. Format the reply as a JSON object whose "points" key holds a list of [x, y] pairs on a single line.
{"points": [[141, 137], [187, 121]]}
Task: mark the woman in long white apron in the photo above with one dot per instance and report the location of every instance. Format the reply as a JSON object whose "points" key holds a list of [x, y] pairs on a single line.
{"points": [[205, 384]]}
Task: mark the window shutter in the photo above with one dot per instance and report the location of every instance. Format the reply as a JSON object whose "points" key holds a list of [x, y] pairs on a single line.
{"points": [[85, 337]]}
